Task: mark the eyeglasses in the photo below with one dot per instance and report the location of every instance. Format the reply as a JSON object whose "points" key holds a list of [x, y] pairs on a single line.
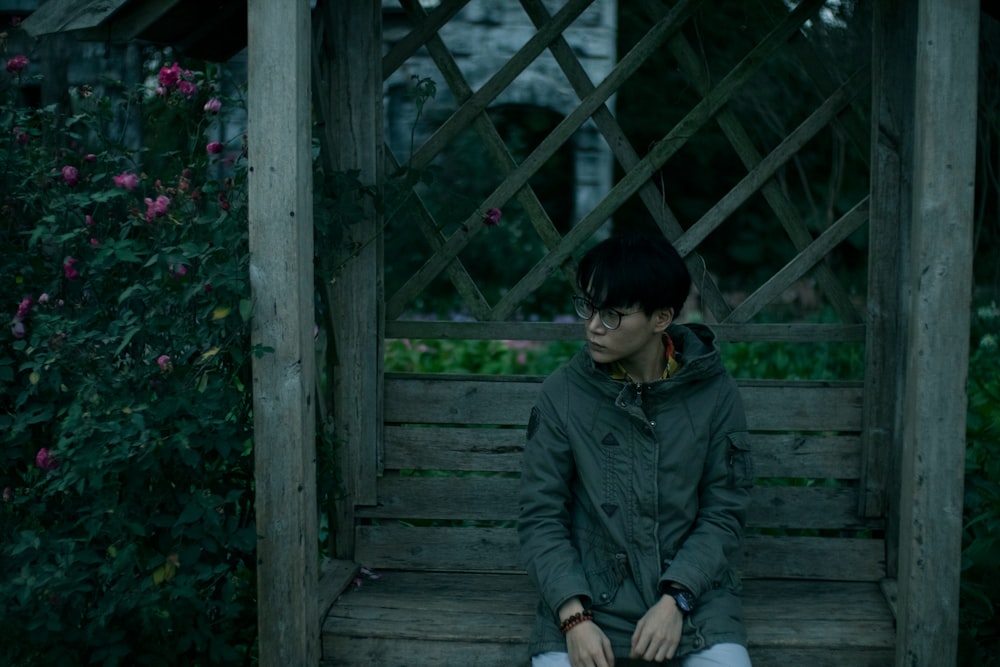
{"points": [[610, 318]]}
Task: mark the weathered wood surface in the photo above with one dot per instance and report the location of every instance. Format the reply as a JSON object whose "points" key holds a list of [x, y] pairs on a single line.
{"points": [[892, 119], [695, 69], [495, 549], [281, 280], [478, 498], [68, 15], [350, 99], [548, 331], [817, 456], [507, 400], [935, 404], [417, 619]]}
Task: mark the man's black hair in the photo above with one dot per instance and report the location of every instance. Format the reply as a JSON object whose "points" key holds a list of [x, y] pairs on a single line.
{"points": [[629, 270]]}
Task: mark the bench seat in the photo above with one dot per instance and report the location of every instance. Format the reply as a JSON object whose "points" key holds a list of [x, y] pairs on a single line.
{"points": [[440, 528], [416, 619]]}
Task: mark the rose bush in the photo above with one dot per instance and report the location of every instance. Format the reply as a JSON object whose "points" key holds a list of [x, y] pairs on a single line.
{"points": [[126, 524]]}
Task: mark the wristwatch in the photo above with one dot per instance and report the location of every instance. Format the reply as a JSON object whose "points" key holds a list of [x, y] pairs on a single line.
{"points": [[684, 600]]}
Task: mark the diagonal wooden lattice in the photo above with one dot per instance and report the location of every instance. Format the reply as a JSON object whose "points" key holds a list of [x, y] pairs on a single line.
{"points": [[664, 31]]}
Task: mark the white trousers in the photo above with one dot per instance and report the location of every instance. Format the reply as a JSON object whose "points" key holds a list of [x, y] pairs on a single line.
{"points": [[720, 655]]}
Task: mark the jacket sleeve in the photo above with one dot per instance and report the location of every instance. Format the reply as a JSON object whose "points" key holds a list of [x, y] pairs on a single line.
{"points": [[545, 519], [724, 496]]}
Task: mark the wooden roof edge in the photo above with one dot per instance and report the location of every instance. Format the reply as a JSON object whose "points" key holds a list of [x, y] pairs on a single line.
{"points": [[57, 16]]}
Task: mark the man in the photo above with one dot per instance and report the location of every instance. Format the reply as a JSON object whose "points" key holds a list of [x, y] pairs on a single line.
{"points": [[636, 477]]}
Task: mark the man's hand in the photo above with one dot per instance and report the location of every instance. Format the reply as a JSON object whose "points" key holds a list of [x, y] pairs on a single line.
{"points": [[588, 646], [658, 632], [586, 643]]}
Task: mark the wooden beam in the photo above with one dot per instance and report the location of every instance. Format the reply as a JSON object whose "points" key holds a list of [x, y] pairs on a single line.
{"points": [[64, 15], [281, 277], [893, 35], [935, 403], [352, 101]]}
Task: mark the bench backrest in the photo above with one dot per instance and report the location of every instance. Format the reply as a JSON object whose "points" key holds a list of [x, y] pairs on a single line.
{"points": [[447, 499]]}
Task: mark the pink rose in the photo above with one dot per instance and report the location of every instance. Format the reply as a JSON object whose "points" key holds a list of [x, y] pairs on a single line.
{"points": [[213, 105], [43, 297], [89, 219], [187, 88], [163, 361], [161, 205], [45, 461], [90, 157], [156, 207], [94, 242], [492, 217], [126, 181], [169, 76], [69, 270], [70, 175], [179, 271], [214, 148], [16, 64], [24, 307], [17, 329], [20, 136]]}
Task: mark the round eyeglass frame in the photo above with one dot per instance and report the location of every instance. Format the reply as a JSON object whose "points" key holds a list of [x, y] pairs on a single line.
{"points": [[610, 317]]}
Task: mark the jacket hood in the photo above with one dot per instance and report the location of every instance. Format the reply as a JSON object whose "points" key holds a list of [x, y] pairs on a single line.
{"points": [[695, 348]]}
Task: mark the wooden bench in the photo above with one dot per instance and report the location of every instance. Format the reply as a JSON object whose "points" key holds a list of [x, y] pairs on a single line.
{"points": [[442, 538]]}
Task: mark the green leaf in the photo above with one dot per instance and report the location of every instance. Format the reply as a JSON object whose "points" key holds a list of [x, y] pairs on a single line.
{"points": [[127, 338], [124, 253]]}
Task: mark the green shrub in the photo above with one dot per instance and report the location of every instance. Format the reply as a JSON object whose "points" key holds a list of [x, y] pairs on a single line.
{"points": [[980, 631], [126, 527]]}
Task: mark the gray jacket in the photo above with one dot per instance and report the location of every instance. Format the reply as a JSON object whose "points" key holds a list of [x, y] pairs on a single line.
{"points": [[626, 487]]}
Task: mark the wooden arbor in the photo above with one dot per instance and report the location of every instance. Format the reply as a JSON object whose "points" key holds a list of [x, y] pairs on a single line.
{"points": [[919, 214]]}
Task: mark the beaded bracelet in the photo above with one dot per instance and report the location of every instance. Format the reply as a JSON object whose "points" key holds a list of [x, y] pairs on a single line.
{"points": [[575, 620]]}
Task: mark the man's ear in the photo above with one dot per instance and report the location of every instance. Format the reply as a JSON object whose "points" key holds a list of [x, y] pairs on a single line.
{"points": [[662, 318]]}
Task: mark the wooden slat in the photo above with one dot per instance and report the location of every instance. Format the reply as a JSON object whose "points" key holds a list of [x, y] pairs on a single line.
{"points": [[662, 150], [769, 405], [491, 616], [627, 158], [517, 179], [802, 263], [419, 36], [496, 550], [765, 169], [495, 499], [498, 154], [572, 331], [500, 449]]}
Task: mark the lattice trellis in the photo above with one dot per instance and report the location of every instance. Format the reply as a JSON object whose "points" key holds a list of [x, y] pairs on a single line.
{"points": [[639, 170]]}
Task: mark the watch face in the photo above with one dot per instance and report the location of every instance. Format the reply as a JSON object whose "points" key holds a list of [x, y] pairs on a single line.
{"points": [[684, 601]]}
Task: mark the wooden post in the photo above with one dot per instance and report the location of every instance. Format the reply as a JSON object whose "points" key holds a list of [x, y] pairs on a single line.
{"points": [[281, 276], [353, 100], [894, 28], [935, 400]]}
